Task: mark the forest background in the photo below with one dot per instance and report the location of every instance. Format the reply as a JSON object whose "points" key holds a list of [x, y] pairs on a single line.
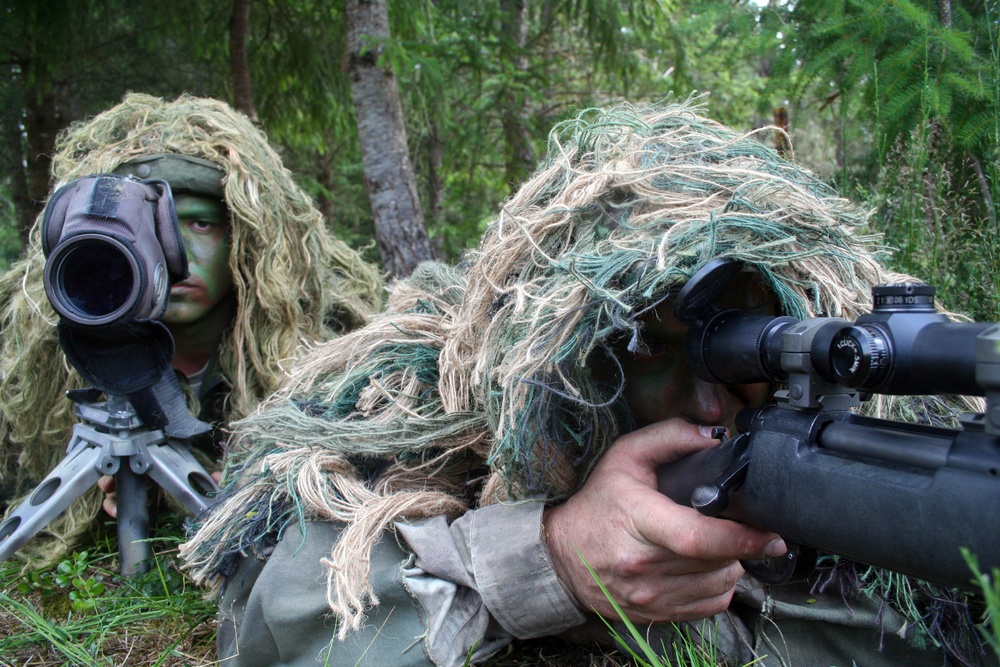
{"points": [[895, 102]]}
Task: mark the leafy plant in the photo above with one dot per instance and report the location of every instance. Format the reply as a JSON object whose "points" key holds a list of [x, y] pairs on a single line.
{"points": [[990, 585], [84, 588], [82, 613]]}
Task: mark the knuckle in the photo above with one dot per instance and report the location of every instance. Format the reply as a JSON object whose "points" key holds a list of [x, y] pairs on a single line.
{"points": [[750, 547], [642, 598], [633, 565], [732, 576], [707, 608]]}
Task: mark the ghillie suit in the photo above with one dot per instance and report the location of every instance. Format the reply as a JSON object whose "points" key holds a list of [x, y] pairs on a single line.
{"points": [[475, 386], [293, 282]]}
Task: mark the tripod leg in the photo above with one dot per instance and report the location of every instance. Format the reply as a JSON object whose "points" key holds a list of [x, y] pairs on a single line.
{"points": [[68, 481], [133, 521], [174, 467]]}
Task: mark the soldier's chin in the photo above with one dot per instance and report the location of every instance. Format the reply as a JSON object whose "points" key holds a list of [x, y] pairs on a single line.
{"points": [[181, 313]]}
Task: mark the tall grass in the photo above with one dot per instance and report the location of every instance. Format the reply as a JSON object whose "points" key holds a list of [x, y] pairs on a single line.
{"points": [[938, 212]]}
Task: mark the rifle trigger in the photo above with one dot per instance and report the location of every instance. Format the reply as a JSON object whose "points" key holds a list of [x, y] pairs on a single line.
{"points": [[798, 564]]}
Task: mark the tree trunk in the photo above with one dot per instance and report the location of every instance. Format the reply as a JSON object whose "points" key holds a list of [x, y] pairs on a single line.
{"points": [[43, 102], [399, 223], [516, 109], [435, 185], [24, 212], [984, 187], [239, 60], [44, 117], [325, 177], [944, 12], [435, 162]]}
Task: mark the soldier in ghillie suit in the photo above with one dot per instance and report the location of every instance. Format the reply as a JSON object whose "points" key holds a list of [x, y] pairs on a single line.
{"points": [[443, 469], [267, 278]]}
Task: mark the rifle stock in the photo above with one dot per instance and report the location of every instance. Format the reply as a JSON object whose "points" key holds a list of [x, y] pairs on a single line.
{"points": [[900, 496]]}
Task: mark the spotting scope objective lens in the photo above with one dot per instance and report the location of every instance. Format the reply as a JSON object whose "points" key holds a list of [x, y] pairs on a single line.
{"points": [[92, 279]]}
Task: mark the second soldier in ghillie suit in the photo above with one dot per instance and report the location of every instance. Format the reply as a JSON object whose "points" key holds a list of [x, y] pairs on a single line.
{"points": [[438, 468], [280, 281]]}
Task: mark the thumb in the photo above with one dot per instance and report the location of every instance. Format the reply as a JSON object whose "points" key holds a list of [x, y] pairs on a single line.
{"points": [[663, 442]]}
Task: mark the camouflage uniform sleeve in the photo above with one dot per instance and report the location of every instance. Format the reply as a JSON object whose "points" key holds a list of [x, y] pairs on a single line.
{"points": [[447, 593], [484, 580]]}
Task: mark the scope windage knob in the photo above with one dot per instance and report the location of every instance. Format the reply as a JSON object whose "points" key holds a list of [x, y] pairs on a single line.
{"points": [[859, 356], [908, 297]]}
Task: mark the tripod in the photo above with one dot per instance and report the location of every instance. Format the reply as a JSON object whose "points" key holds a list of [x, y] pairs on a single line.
{"points": [[111, 439]]}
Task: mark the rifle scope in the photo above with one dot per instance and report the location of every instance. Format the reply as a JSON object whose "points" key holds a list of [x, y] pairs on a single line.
{"points": [[904, 346]]}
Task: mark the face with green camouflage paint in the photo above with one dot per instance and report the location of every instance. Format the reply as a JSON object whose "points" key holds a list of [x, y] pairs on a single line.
{"points": [[204, 296]]}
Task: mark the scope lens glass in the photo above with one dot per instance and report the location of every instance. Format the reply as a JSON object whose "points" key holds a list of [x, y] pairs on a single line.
{"points": [[95, 278]]}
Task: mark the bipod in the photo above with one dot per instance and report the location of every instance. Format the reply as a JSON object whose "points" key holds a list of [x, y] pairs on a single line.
{"points": [[111, 439]]}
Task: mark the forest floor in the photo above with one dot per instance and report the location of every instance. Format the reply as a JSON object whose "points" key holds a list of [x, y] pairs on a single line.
{"points": [[83, 613]]}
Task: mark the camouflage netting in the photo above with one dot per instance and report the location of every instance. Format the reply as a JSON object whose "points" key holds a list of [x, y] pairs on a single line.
{"points": [[294, 283], [474, 387]]}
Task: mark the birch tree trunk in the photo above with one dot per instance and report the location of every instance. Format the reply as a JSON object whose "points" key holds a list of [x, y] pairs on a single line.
{"points": [[944, 13], [13, 157], [400, 230], [516, 106], [239, 60]]}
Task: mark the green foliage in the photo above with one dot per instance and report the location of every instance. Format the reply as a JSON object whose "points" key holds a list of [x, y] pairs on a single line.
{"points": [[300, 83], [10, 242], [914, 103], [727, 50], [989, 583], [685, 649], [899, 60], [938, 232], [70, 574], [113, 46], [898, 55], [77, 613], [507, 84]]}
